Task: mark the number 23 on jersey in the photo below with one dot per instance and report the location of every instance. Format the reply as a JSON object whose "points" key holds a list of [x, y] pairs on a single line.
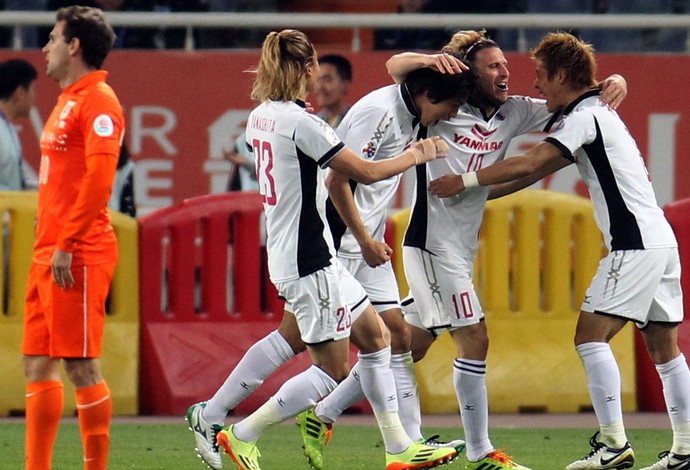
{"points": [[264, 165]]}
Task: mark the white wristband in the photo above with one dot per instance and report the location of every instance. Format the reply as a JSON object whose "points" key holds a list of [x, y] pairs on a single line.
{"points": [[470, 179]]}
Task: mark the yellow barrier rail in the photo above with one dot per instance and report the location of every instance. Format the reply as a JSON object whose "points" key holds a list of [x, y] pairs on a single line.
{"points": [[537, 254], [120, 356]]}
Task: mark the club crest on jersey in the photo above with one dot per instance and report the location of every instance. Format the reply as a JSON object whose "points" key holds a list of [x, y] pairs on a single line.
{"points": [[103, 125], [64, 113], [478, 140]]}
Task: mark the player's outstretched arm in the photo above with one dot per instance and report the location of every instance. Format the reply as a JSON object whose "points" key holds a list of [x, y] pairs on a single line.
{"points": [[367, 172], [504, 189], [543, 159], [401, 64]]}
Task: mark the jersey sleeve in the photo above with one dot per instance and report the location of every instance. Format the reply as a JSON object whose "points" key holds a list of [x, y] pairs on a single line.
{"points": [[535, 116], [366, 132], [573, 132], [102, 124], [316, 139]]}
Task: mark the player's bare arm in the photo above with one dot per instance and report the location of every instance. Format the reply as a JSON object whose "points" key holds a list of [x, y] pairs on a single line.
{"points": [[375, 253], [543, 159], [367, 172], [401, 64], [504, 189]]}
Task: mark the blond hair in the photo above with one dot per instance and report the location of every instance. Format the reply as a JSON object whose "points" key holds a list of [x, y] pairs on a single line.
{"points": [[563, 51], [465, 44], [281, 73]]}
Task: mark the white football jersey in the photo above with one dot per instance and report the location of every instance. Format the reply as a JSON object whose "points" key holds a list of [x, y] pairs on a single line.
{"points": [[475, 142], [611, 165], [380, 125], [290, 147]]}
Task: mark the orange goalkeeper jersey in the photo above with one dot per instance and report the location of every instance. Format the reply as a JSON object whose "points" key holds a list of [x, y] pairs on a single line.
{"points": [[80, 145]]}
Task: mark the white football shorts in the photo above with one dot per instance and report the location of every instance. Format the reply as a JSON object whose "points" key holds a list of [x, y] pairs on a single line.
{"points": [[441, 285], [325, 303], [639, 285], [379, 282], [411, 315]]}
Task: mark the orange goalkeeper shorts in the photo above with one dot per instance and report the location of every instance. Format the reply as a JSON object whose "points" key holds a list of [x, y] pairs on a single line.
{"points": [[66, 323]]}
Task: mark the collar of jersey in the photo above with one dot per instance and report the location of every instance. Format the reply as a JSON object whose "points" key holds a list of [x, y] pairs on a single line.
{"points": [[301, 103], [409, 104], [579, 99], [87, 80]]}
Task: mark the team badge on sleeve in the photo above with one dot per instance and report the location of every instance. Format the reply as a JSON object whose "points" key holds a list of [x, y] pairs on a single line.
{"points": [[103, 125]]}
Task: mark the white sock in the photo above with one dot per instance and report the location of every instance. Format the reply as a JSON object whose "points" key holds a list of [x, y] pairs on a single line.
{"points": [[394, 437], [296, 395], [260, 361], [378, 384], [675, 377], [469, 378], [604, 381], [409, 408], [347, 393]]}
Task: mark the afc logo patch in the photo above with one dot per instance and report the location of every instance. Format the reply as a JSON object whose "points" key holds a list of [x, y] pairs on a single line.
{"points": [[369, 149], [103, 125]]}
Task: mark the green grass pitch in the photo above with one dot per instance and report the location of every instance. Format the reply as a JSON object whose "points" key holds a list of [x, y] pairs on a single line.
{"points": [[150, 446]]}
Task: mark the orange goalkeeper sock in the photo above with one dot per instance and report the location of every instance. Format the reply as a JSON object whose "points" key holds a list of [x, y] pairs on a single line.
{"points": [[44, 401], [95, 407]]}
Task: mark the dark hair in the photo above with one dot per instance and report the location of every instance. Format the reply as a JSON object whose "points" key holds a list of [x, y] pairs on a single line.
{"points": [[440, 86], [341, 64], [15, 73], [90, 26]]}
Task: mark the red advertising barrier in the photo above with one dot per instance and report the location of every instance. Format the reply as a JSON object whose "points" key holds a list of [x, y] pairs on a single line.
{"points": [[205, 299], [649, 390]]}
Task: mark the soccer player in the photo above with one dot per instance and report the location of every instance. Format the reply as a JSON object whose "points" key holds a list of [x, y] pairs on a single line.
{"points": [[17, 95], [517, 115], [76, 250], [380, 126], [291, 147], [335, 78], [639, 279]]}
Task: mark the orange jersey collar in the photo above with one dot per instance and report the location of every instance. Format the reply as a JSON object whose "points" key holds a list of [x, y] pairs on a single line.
{"points": [[87, 80]]}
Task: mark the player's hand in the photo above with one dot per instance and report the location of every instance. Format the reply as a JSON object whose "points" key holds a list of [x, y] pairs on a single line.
{"points": [[234, 157], [613, 91], [447, 186], [61, 267], [446, 63], [425, 150], [376, 253], [309, 107]]}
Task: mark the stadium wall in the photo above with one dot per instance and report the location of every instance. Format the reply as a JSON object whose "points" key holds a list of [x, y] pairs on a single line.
{"points": [[183, 108]]}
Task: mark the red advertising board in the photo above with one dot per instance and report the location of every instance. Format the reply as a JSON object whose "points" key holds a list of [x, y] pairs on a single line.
{"points": [[183, 108]]}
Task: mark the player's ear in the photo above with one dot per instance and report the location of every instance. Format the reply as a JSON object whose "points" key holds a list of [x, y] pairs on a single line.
{"points": [[561, 75], [73, 46]]}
